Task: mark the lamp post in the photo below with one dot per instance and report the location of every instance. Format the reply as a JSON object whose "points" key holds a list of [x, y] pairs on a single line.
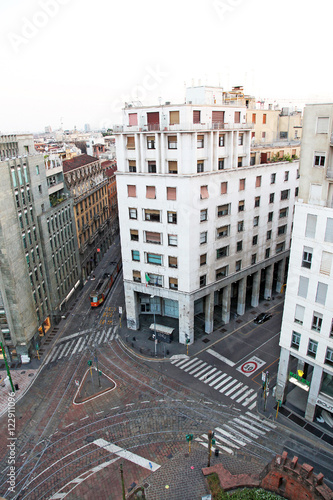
{"points": [[155, 338]]}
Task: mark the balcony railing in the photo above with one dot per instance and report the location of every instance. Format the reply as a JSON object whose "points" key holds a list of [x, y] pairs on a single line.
{"points": [[182, 127]]}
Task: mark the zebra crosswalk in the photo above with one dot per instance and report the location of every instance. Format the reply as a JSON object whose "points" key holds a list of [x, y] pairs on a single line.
{"points": [[75, 344], [218, 380], [238, 432]]}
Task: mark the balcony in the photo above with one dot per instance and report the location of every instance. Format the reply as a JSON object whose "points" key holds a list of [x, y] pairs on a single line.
{"points": [[183, 127]]}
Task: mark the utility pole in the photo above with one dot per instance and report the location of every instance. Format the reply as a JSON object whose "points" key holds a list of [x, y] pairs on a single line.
{"points": [[266, 389], [122, 481], [211, 441], [7, 367]]}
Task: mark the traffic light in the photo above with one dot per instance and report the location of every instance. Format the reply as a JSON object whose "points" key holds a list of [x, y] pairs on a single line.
{"points": [[89, 362], [189, 437]]}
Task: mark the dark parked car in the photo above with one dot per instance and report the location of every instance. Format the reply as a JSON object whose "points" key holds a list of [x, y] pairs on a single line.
{"points": [[261, 318]]}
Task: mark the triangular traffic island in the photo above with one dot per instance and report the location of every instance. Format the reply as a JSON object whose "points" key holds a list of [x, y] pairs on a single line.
{"points": [[92, 386]]}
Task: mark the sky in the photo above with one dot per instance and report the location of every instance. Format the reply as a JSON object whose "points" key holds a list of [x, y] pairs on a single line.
{"points": [[71, 62]]}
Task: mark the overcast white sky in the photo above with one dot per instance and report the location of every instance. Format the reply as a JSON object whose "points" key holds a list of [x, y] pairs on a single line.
{"points": [[79, 60]]}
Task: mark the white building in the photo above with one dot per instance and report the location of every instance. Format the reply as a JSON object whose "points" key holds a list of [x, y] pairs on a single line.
{"points": [[307, 333], [201, 230]]}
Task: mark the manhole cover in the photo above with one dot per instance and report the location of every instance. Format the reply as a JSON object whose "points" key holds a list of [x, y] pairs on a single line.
{"points": [[205, 341]]}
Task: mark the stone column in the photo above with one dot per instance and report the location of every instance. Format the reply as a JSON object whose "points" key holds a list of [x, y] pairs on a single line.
{"points": [[255, 289], [283, 373], [241, 296], [226, 304], [269, 281], [186, 319], [132, 310], [209, 313], [280, 275], [313, 392]]}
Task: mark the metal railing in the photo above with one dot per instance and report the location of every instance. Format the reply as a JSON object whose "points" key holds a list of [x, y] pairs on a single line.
{"points": [[182, 127]]}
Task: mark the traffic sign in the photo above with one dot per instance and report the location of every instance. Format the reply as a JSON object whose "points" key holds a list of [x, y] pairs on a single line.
{"points": [[250, 366]]}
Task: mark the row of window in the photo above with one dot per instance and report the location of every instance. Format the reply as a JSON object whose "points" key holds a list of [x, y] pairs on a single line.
{"points": [[173, 144], [22, 196], [311, 225], [312, 348], [321, 292], [317, 319], [153, 118], [325, 264], [58, 220], [90, 200]]}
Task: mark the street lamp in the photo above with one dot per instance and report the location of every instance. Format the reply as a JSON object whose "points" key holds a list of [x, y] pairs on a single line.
{"points": [[155, 338]]}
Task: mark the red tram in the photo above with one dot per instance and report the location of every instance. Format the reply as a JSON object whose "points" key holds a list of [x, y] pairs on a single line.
{"points": [[104, 285]]}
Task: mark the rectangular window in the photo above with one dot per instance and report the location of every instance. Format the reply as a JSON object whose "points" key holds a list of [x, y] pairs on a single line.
{"points": [[317, 321], [239, 246], [172, 142], [203, 280], [222, 252], [223, 210], [237, 116], [322, 125], [311, 223], [222, 272], [238, 265], [155, 279], [270, 216], [303, 287], [172, 240], [241, 206], [203, 237], [221, 140], [307, 257], [152, 215], [204, 192], [280, 247], [241, 184], [224, 187], [258, 181], [286, 176], [172, 217], [153, 258], [130, 142], [319, 160], [132, 119], [152, 237], [137, 276], [151, 142], [329, 230], [152, 167], [283, 213], [321, 293], [295, 340], [296, 192], [256, 221], [196, 116], [131, 191], [253, 259], [173, 169], [252, 160], [240, 226], [200, 167], [174, 117], [150, 192], [312, 348], [329, 356], [222, 232], [221, 164], [285, 194], [267, 253], [271, 197], [200, 141], [273, 178], [136, 255], [173, 283], [257, 202], [253, 118], [282, 230], [203, 215], [240, 139], [240, 161], [171, 193], [217, 117], [134, 234], [173, 262], [203, 259], [132, 166], [299, 314], [283, 135], [326, 263], [264, 117], [133, 213]]}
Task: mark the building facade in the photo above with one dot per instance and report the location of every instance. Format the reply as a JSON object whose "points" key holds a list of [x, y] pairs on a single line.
{"points": [[202, 231], [306, 361]]}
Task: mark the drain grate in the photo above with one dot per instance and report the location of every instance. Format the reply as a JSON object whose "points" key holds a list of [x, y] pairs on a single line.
{"points": [[205, 341]]}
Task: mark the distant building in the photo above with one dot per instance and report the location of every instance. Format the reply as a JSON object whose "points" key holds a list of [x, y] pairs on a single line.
{"points": [[110, 171], [14, 145], [86, 127]]}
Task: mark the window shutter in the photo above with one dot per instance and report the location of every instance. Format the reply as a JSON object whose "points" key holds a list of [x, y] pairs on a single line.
{"points": [[132, 119], [237, 116], [134, 232], [196, 116], [241, 184], [172, 167], [303, 287], [224, 187], [153, 118], [200, 138], [258, 181], [204, 192], [322, 125], [173, 281], [131, 191], [174, 117], [329, 230], [171, 193], [311, 222], [218, 117], [326, 263], [172, 138], [299, 314], [136, 274], [150, 192], [321, 293], [131, 142], [132, 163], [153, 237], [173, 262]]}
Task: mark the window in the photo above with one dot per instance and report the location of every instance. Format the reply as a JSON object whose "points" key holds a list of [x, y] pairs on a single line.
{"points": [[172, 142], [222, 272], [317, 322], [204, 192], [322, 125], [173, 167], [173, 262], [136, 255], [134, 234], [132, 166], [257, 202], [264, 117], [267, 253], [285, 194], [240, 161], [283, 135], [155, 279], [203, 215], [203, 259], [222, 252], [303, 287], [280, 247], [153, 237], [270, 216], [240, 139], [283, 213], [321, 293], [326, 263], [203, 237], [151, 142], [171, 193], [173, 283], [271, 198], [196, 116], [137, 276], [200, 167], [319, 160], [132, 119], [256, 221], [203, 280], [282, 230], [172, 217], [172, 240], [286, 176], [131, 142], [253, 118], [131, 191], [224, 187], [153, 258], [241, 206], [329, 357], [312, 348], [221, 140], [223, 210], [273, 178], [133, 214], [299, 314], [258, 181], [221, 164], [239, 246], [222, 232], [307, 257], [152, 167], [240, 226], [241, 184], [311, 223], [237, 116], [37, 169], [238, 265], [151, 192], [22, 192], [255, 240], [295, 340], [152, 215], [296, 192], [329, 230], [174, 117], [200, 141], [252, 160], [253, 259]]}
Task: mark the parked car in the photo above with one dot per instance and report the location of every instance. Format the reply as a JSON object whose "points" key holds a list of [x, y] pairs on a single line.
{"points": [[262, 318]]}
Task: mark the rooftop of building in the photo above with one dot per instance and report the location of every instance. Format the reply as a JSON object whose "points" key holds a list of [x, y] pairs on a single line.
{"points": [[78, 161]]}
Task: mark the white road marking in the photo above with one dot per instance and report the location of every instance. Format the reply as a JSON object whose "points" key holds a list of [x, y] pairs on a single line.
{"points": [[207, 374], [82, 346], [55, 353], [209, 379], [248, 426], [202, 371], [77, 345], [100, 340], [248, 400], [261, 424], [195, 361], [267, 422], [221, 358], [197, 368], [62, 351], [251, 407], [228, 450], [227, 434], [217, 379], [74, 335], [234, 381], [183, 362], [127, 455], [247, 393], [70, 345], [244, 388], [223, 382], [233, 389]]}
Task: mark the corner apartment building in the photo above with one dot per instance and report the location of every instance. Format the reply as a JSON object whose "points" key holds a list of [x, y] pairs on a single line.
{"points": [[85, 179], [201, 230], [307, 327]]}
